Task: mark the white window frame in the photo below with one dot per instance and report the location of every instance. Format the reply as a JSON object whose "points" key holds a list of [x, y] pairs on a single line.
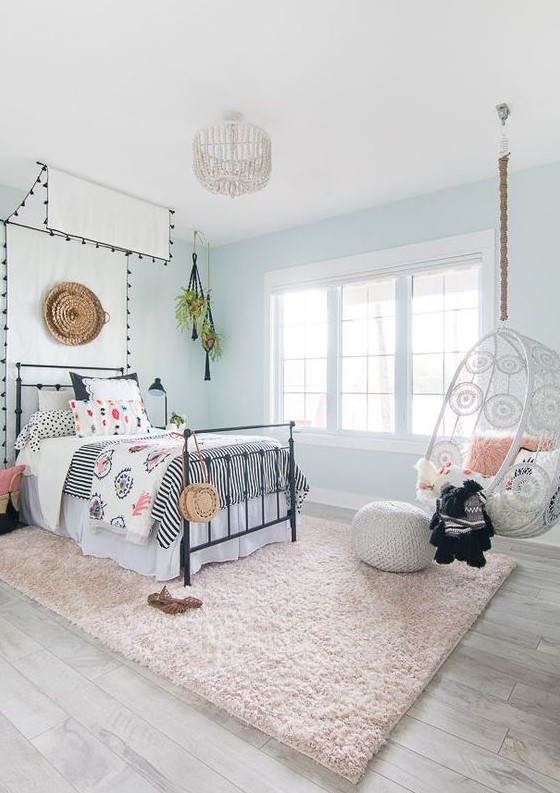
{"points": [[479, 246]]}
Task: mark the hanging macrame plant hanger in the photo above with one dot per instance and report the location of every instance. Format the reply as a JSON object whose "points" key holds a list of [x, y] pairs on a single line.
{"points": [[505, 397], [192, 305], [210, 339], [197, 299], [208, 336]]}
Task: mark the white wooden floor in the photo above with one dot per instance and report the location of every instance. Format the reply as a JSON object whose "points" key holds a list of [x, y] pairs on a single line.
{"points": [[76, 717]]}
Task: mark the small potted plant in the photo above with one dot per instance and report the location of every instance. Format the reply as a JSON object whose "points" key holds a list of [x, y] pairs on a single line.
{"points": [[177, 422]]}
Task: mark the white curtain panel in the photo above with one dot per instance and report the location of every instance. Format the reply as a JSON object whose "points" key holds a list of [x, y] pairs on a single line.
{"points": [[97, 213], [36, 263]]}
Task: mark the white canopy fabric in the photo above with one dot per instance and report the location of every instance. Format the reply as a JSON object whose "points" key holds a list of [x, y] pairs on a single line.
{"points": [[84, 209]]}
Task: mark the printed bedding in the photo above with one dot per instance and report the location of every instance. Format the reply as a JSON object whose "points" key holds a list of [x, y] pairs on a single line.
{"points": [[132, 482], [117, 495]]}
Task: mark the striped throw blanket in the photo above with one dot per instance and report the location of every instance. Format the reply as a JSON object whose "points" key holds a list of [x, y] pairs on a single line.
{"points": [[129, 484]]}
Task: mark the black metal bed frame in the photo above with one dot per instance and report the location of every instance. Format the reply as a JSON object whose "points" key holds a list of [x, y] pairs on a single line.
{"points": [[282, 515], [290, 512], [21, 385]]}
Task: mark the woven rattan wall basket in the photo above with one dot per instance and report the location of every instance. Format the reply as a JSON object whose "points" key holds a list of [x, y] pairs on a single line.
{"points": [[73, 313]]}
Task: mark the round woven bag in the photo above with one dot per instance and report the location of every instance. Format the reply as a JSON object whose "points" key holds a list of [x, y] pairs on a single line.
{"points": [[199, 502], [73, 313]]}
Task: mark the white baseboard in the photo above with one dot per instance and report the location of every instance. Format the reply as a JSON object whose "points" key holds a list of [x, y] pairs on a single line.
{"points": [[346, 500], [339, 498]]}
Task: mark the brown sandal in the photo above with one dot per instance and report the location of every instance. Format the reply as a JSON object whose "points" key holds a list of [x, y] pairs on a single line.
{"points": [[166, 602]]}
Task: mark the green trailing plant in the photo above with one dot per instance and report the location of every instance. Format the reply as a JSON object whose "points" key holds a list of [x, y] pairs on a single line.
{"points": [[211, 341], [191, 303], [189, 307]]}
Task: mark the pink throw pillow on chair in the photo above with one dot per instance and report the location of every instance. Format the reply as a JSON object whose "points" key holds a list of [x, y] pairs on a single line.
{"points": [[486, 453]]}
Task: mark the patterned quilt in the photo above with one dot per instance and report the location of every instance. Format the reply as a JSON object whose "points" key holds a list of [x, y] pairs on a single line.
{"points": [[132, 483]]}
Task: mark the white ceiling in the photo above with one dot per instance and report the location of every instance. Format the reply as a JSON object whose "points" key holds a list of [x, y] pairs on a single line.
{"points": [[366, 101]]}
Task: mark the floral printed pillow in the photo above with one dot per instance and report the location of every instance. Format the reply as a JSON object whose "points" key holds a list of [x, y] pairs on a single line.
{"points": [[109, 417]]}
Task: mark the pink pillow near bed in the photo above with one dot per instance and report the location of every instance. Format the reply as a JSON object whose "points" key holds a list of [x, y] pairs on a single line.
{"points": [[486, 453], [10, 478]]}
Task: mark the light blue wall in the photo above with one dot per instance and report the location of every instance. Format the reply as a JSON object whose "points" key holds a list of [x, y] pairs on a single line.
{"points": [[237, 385], [10, 199], [158, 348]]}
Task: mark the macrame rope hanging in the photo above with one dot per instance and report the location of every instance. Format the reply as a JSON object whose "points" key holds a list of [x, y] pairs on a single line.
{"points": [[199, 308], [208, 336], [503, 112], [195, 285], [502, 167]]}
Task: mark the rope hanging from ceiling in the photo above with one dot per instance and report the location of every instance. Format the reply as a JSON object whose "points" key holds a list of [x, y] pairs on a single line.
{"points": [[503, 174]]}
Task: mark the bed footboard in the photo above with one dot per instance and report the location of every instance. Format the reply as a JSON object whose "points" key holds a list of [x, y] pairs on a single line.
{"points": [[260, 469]]}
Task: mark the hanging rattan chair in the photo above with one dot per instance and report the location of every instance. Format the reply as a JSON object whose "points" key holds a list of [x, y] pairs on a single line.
{"points": [[505, 399], [506, 394]]}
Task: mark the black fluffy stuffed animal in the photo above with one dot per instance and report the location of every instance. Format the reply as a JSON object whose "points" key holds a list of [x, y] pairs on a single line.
{"points": [[461, 527]]}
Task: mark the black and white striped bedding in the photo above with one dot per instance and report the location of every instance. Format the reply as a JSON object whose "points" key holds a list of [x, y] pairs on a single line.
{"points": [[235, 468]]}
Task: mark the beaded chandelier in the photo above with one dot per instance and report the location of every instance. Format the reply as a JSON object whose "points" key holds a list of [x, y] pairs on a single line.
{"points": [[232, 158]]}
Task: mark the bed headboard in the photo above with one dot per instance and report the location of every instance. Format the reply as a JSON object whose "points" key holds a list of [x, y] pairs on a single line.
{"points": [[20, 384]]}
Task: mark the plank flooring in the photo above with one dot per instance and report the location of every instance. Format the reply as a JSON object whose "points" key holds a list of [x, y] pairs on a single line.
{"points": [[77, 718]]}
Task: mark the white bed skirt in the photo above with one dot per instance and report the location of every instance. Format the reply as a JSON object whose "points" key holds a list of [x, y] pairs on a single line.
{"points": [[150, 559]]}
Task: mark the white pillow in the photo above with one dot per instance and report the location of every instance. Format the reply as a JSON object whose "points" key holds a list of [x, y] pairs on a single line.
{"points": [[105, 388], [109, 417], [51, 399], [547, 460]]}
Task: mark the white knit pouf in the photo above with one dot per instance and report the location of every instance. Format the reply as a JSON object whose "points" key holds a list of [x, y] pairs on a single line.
{"points": [[393, 536]]}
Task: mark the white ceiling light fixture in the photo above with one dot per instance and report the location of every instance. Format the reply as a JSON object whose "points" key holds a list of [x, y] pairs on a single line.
{"points": [[232, 158]]}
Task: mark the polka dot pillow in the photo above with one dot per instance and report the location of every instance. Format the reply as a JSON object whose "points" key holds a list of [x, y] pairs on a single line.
{"points": [[45, 424], [109, 417]]}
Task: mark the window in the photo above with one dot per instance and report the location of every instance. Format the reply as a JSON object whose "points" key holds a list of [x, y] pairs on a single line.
{"points": [[372, 349], [304, 341], [367, 356], [445, 325]]}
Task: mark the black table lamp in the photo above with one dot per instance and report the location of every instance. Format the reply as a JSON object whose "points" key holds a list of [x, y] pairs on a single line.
{"points": [[157, 390]]}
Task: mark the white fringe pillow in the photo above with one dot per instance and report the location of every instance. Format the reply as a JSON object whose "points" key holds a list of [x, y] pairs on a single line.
{"points": [[109, 417]]}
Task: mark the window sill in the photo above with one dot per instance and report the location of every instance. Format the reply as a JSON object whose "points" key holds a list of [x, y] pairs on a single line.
{"points": [[415, 446]]}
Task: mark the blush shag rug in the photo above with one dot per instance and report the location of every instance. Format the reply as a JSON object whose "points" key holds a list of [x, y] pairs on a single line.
{"points": [[300, 640]]}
